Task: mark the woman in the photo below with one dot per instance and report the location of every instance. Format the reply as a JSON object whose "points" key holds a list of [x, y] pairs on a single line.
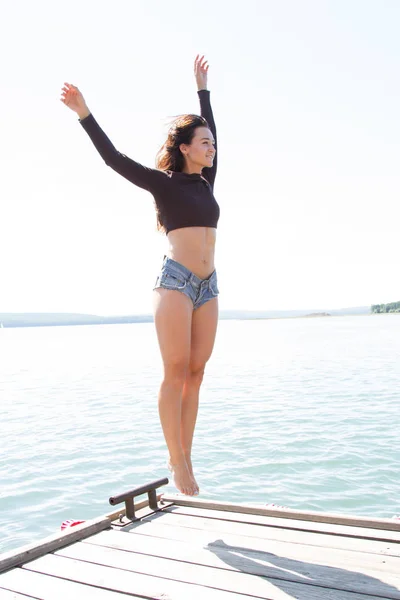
{"points": [[185, 293]]}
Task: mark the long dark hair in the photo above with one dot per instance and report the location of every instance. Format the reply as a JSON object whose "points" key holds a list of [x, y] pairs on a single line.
{"points": [[169, 157]]}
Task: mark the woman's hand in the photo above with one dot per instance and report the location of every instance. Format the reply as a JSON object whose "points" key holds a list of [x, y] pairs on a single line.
{"points": [[200, 72], [73, 98]]}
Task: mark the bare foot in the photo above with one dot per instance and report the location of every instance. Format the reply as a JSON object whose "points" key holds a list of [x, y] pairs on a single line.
{"points": [[182, 478], [190, 468]]}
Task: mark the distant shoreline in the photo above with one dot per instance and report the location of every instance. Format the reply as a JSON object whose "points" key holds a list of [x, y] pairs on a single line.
{"points": [[8, 320]]}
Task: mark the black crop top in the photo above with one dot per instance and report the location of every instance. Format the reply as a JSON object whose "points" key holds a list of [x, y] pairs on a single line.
{"points": [[183, 200]]}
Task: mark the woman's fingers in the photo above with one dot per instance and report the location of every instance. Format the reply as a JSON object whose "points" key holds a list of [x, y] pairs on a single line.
{"points": [[68, 94], [200, 64], [69, 87], [69, 91]]}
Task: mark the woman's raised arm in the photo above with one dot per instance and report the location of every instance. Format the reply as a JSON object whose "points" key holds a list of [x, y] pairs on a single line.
{"points": [[143, 177], [200, 73]]}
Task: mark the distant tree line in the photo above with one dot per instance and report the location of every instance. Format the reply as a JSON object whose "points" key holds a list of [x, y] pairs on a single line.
{"points": [[392, 307]]}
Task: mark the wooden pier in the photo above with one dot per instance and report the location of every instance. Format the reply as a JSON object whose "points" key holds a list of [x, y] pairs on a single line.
{"points": [[178, 548]]}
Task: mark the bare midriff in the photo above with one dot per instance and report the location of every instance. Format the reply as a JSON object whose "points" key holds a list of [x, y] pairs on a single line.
{"points": [[194, 248]]}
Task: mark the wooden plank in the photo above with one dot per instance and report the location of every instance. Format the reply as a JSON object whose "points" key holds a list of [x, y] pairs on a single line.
{"points": [[208, 551], [45, 587], [129, 582], [241, 569], [165, 587], [343, 530], [23, 554], [286, 513], [175, 526]]}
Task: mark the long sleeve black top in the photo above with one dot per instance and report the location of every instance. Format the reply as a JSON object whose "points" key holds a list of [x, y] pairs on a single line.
{"points": [[183, 200]]}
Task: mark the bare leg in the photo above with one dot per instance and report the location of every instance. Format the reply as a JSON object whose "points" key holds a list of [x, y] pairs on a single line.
{"points": [[173, 318], [204, 327], [190, 405]]}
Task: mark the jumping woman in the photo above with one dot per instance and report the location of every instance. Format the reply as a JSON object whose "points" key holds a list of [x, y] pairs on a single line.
{"points": [[185, 292]]}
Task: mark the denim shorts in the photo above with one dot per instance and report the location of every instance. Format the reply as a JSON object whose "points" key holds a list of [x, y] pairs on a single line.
{"points": [[174, 276]]}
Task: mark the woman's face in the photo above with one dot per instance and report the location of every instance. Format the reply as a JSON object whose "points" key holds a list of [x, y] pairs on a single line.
{"points": [[200, 153]]}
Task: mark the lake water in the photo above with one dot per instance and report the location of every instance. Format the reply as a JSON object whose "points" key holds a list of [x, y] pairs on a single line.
{"points": [[298, 412]]}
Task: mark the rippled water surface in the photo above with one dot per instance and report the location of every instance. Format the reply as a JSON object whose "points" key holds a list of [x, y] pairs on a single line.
{"points": [[298, 412]]}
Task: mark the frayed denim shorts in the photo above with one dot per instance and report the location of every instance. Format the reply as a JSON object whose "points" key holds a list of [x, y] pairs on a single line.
{"points": [[174, 276]]}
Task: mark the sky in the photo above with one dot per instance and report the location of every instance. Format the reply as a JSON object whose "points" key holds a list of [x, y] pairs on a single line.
{"points": [[306, 98]]}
